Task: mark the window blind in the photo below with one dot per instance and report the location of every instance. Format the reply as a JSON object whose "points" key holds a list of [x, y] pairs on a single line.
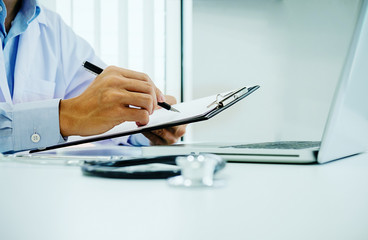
{"points": [[142, 35]]}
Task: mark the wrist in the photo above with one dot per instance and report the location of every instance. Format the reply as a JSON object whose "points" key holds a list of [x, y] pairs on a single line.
{"points": [[66, 121]]}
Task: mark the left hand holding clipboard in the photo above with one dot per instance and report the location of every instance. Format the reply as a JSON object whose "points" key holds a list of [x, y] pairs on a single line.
{"points": [[166, 136]]}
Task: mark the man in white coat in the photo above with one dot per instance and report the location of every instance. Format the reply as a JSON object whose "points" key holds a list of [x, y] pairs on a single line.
{"points": [[46, 95]]}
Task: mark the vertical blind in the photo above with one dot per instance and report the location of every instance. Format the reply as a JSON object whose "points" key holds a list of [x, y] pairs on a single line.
{"points": [[142, 35]]}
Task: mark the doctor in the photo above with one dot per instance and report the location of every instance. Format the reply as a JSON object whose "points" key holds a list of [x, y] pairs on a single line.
{"points": [[47, 96]]}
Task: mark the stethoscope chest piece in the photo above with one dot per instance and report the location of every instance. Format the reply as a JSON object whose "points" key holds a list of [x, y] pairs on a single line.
{"points": [[198, 171]]}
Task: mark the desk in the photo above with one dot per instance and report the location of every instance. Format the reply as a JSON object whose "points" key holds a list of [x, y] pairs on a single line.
{"points": [[259, 201]]}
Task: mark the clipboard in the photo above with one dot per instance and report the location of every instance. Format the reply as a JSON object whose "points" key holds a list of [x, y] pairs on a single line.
{"points": [[190, 112]]}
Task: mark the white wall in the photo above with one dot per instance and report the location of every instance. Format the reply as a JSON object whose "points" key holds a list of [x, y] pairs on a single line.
{"points": [[294, 49]]}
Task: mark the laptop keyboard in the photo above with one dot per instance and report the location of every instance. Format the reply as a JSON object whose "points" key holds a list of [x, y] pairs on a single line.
{"points": [[279, 145]]}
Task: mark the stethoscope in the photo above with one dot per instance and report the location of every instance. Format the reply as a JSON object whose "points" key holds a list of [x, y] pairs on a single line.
{"points": [[160, 167], [180, 170]]}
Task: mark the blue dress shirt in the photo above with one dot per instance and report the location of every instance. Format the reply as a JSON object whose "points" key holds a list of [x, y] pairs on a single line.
{"points": [[27, 13]]}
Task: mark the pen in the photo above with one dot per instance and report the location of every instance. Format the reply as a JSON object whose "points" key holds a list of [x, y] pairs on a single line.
{"points": [[97, 70]]}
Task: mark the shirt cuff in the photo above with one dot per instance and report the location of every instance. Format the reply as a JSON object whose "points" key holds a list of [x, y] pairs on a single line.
{"points": [[36, 125]]}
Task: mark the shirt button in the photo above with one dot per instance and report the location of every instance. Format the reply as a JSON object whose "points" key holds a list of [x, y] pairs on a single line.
{"points": [[35, 137]]}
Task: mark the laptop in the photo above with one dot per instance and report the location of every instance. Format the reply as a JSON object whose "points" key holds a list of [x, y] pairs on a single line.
{"points": [[346, 130]]}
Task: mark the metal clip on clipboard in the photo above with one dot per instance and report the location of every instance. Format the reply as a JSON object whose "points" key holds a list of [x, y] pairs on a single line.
{"points": [[230, 99], [231, 96]]}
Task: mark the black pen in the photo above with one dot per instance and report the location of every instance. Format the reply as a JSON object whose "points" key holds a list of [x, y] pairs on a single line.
{"points": [[97, 70]]}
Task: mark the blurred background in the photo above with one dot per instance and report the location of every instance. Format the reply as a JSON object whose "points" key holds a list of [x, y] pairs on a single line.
{"points": [[293, 49]]}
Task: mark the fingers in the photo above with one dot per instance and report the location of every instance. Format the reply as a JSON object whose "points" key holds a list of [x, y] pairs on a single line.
{"points": [[115, 96], [130, 74], [140, 100], [170, 100], [134, 85], [123, 83], [166, 136], [154, 139], [161, 137], [160, 95], [135, 115]]}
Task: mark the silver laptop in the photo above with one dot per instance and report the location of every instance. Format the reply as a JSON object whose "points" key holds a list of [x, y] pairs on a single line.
{"points": [[346, 129]]}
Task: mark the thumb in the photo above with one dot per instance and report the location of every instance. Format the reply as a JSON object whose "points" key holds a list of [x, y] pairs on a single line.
{"points": [[170, 100], [160, 95]]}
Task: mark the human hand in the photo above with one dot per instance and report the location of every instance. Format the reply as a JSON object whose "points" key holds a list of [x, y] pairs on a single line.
{"points": [[106, 103], [168, 135]]}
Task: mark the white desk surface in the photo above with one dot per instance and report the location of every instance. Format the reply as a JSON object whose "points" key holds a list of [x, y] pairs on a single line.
{"points": [[259, 201]]}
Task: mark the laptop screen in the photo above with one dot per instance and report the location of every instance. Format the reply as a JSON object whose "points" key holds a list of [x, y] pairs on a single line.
{"points": [[346, 131]]}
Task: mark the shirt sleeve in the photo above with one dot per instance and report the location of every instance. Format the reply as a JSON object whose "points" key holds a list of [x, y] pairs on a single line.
{"points": [[39, 130]]}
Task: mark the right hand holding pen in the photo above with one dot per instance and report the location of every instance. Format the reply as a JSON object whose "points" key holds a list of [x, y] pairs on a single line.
{"points": [[106, 103]]}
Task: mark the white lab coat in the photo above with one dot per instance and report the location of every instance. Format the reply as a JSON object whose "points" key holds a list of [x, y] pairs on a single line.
{"points": [[49, 62], [48, 66]]}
